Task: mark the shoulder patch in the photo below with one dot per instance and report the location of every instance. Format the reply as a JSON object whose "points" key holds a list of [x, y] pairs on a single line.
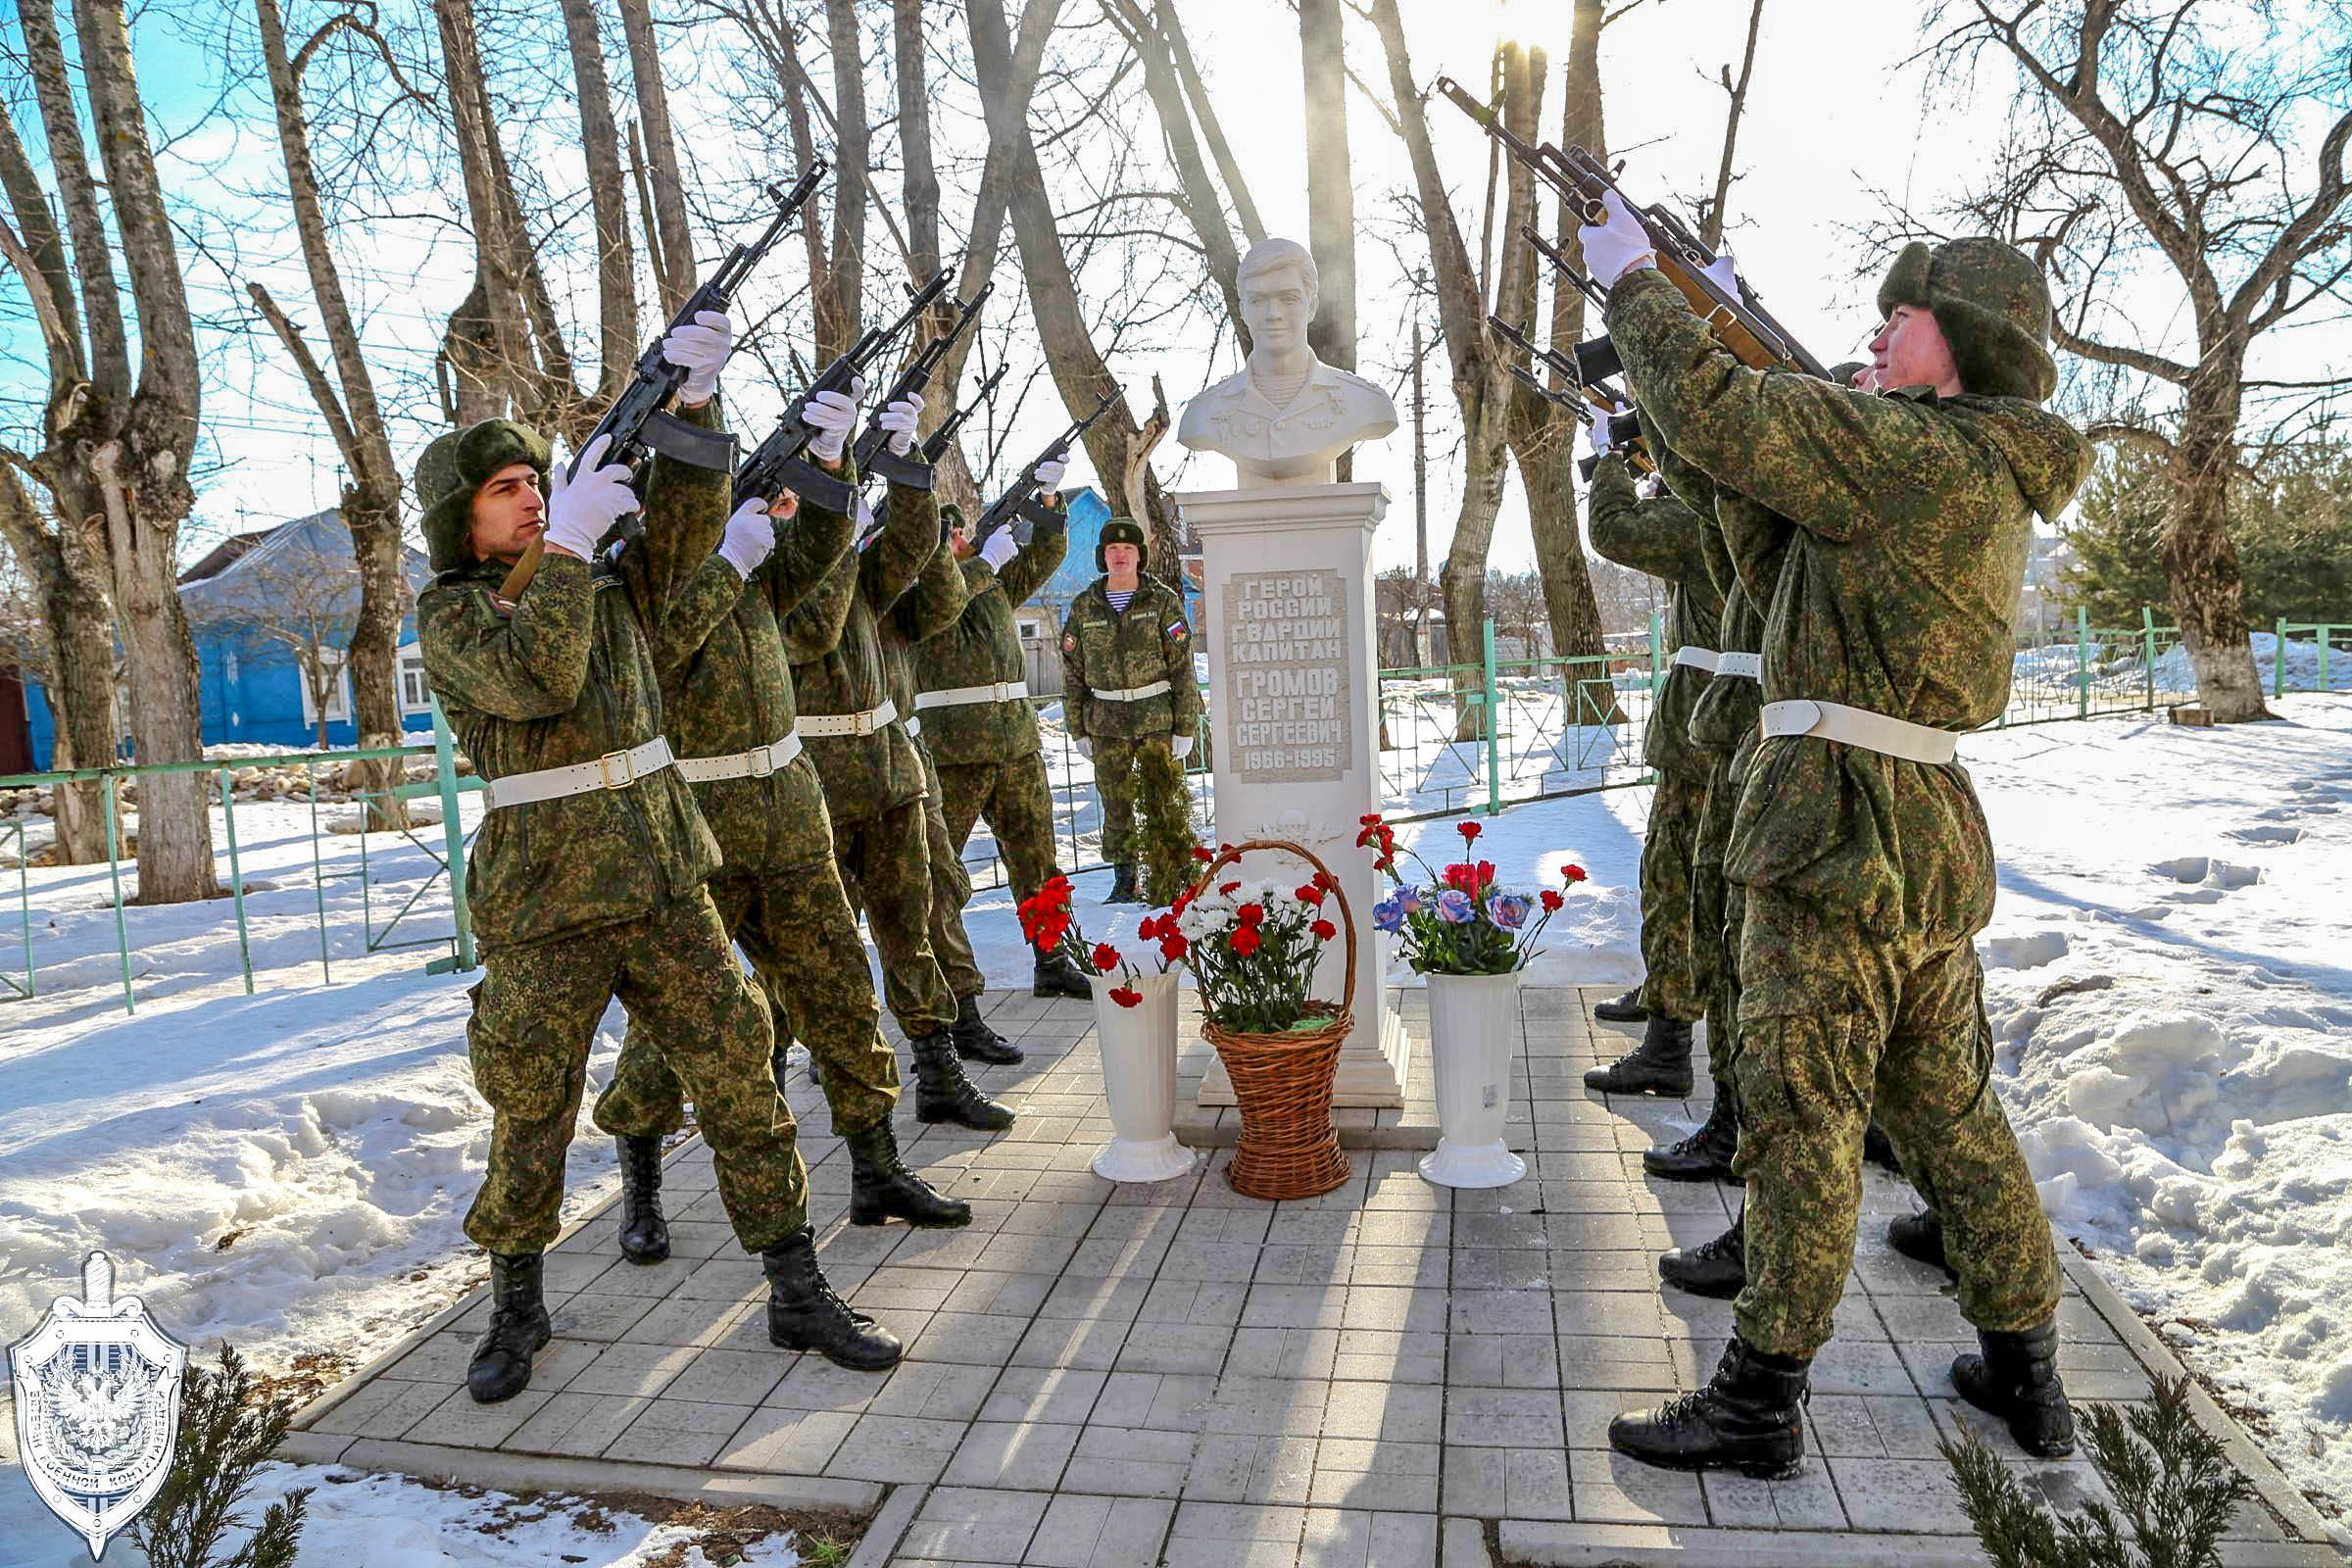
{"points": [[1179, 630], [1069, 641]]}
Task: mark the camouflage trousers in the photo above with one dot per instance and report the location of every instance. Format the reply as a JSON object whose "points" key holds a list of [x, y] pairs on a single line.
{"points": [[1866, 1020], [797, 927], [1119, 783], [1714, 937], [535, 1013], [1674, 984], [1017, 803], [951, 891], [885, 863]]}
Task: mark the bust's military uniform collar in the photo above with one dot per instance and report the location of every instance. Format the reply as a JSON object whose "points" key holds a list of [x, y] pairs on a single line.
{"points": [[1239, 394]]}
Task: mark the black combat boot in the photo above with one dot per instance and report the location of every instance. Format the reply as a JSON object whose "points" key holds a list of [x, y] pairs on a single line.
{"points": [[804, 1313], [1122, 884], [974, 1040], [1878, 1150], [942, 1093], [501, 1367], [644, 1232], [1057, 976], [1716, 1268], [882, 1188], [2016, 1380], [1920, 1238], [1747, 1419], [1626, 1008], [1706, 1155], [1660, 1065]]}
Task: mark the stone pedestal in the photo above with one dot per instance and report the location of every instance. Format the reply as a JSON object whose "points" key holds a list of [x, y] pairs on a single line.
{"points": [[1294, 704]]}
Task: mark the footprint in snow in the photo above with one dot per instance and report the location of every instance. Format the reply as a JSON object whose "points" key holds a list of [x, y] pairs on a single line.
{"points": [[2267, 835], [2028, 951], [2223, 875]]}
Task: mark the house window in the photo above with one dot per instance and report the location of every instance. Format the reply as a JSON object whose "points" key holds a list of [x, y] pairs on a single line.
{"points": [[338, 700], [1029, 631], [415, 697]]}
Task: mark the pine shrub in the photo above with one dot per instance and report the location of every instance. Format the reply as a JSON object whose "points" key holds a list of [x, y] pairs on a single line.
{"points": [[228, 1428]]}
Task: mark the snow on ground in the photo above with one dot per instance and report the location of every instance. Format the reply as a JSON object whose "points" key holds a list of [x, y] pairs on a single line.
{"points": [[2167, 973]]}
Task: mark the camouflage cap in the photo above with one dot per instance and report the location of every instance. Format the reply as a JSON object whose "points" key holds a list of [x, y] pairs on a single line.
{"points": [[1993, 305], [458, 464], [1123, 532]]}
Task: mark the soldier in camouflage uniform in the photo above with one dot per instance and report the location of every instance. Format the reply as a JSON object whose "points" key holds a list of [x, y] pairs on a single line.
{"points": [[729, 698], [586, 879], [1903, 522], [1129, 696], [874, 789], [1665, 538], [978, 723]]}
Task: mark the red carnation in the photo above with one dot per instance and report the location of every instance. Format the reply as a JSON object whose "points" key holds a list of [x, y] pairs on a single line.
{"points": [[1173, 946], [1229, 887], [1244, 941], [1183, 901], [1203, 853], [1551, 900], [1307, 893], [1468, 830], [1149, 928], [1324, 881], [1572, 872], [1251, 914], [1106, 957], [1324, 930], [1126, 996]]}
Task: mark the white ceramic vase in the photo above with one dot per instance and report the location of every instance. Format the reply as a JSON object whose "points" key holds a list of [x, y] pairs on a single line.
{"points": [[1473, 1033], [1138, 1047]]}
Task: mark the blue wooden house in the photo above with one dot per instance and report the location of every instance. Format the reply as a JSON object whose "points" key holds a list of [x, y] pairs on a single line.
{"points": [[250, 683]]}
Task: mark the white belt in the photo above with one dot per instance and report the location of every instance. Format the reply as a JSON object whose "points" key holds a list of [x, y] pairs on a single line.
{"points": [[833, 725], [1858, 727], [1131, 694], [614, 770], [1002, 691], [758, 762], [1749, 666], [1696, 657]]}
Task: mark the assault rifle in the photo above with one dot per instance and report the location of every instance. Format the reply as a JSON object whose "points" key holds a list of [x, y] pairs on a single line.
{"points": [[637, 422], [1018, 508], [778, 463], [935, 445], [872, 452], [1583, 181], [1625, 430]]}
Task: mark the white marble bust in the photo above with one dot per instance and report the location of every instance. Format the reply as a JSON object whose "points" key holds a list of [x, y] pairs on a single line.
{"points": [[1287, 417]]}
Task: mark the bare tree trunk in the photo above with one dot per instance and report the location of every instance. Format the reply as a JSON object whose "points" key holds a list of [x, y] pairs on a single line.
{"points": [[487, 345], [1710, 219], [1330, 183], [78, 636], [1207, 209], [1120, 448], [371, 500], [2199, 557], [599, 141], [673, 258], [141, 474], [845, 279]]}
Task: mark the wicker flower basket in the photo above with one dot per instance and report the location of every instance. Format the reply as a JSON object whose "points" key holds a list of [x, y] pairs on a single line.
{"points": [[1282, 1082]]}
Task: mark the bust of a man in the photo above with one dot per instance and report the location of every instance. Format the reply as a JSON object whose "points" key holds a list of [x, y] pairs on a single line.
{"points": [[1287, 417]]}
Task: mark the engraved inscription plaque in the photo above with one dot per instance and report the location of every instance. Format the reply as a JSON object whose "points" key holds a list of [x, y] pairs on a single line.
{"points": [[1287, 680]]}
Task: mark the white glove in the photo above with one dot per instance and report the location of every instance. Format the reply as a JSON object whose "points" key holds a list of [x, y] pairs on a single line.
{"points": [[833, 417], [999, 547], [751, 534], [898, 420], [699, 350], [1180, 747], [1616, 247], [1049, 472], [1086, 748], [580, 508], [1650, 488], [1725, 276], [1597, 430]]}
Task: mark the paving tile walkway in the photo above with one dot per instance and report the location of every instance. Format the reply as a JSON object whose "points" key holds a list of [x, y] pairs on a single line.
{"points": [[1392, 1373]]}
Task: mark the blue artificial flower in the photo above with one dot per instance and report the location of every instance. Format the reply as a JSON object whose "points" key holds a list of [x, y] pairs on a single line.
{"points": [[1389, 913], [1509, 910], [1408, 900], [1455, 905]]}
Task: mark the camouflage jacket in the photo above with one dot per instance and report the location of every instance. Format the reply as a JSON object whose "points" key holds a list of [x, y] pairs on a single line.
{"points": [[834, 641], [982, 648], [726, 688], [567, 677], [924, 611], [1103, 649], [1904, 523], [1667, 540]]}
